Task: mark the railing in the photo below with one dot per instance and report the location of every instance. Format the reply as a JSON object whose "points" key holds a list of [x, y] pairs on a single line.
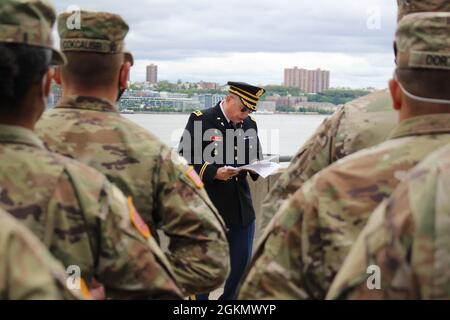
{"points": [[285, 158]]}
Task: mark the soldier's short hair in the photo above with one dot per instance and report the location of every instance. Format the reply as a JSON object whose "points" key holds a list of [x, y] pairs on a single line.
{"points": [[92, 70], [20, 67], [425, 82]]}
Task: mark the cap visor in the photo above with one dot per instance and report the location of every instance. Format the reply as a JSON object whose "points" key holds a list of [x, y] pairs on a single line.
{"points": [[58, 58], [129, 57]]}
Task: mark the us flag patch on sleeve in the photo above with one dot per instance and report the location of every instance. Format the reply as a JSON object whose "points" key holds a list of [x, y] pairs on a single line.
{"points": [[137, 221], [193, 176]]}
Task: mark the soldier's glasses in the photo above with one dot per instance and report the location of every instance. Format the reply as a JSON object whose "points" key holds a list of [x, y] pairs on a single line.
{"points": [[245, 109]]}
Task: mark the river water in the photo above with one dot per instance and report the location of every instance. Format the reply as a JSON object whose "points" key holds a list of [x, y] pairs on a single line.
{"points": [[281, 134]]}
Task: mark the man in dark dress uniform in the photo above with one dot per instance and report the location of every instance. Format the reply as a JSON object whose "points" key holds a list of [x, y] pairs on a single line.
{"points": [[217, 141]]}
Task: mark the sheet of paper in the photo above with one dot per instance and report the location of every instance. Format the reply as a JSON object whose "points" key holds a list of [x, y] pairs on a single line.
{"points": [[263, 168]]}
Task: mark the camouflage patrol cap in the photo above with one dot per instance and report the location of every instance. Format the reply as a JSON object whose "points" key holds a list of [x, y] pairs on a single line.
{"points": [[29, 22], [98, 32], [423, 42], [414, 6]]}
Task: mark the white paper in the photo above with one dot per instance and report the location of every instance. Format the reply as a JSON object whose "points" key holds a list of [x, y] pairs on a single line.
{"points": [[263, 168]]}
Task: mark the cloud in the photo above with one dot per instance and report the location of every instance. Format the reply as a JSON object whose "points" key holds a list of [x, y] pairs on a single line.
{"points": [[218, 40]]}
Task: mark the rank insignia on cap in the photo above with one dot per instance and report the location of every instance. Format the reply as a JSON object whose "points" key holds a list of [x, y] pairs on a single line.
{"points": [[137, 221], [193, 176], [248, 93]]}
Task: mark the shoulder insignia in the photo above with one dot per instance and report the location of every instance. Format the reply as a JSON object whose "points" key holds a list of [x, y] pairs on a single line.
{"points": [[137, 221], [84, 290], [253, 118], [198, 113], [193, 176]]}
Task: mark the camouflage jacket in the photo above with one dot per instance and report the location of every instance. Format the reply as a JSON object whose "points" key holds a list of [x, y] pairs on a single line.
{"points": [[81, 217], [307, 241], [27, 270], [407, 239], [359, 124], [166, 192]]}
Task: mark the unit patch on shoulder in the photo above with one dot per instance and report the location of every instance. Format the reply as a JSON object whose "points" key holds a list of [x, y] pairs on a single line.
{"points": [[84, 290], [137, 221], [198, 113], [193, 176]]}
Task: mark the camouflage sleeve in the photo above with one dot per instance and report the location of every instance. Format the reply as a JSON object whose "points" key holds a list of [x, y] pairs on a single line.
{"points": [[198, 246], [395, 255], [288, 258], [128, 261], [316, 154], [27, 270], [205, 170]]}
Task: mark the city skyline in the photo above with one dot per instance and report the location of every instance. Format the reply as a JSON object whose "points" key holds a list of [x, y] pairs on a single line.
{"points": [[196, 40]]}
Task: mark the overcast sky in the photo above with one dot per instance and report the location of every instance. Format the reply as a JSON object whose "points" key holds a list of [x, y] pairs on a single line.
{"points": [[254, 40]]}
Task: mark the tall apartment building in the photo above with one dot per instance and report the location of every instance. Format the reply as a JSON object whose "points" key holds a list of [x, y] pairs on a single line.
{"points": [[309, 81], [152, 74]]}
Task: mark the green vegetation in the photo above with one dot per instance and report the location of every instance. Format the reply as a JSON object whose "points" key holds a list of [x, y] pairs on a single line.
{"points": [[185, 88], [302, 110], [282, 91], [190, 89], [337, 97]]}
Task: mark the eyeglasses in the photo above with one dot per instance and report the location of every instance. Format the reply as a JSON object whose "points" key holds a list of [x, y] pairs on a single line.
{"points": [[245, 109]]}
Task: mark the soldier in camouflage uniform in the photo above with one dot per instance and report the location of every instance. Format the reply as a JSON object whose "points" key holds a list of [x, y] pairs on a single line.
{"points": [[359, 124], [27, 270], [83, 219], [407, 238], [306, 243], [86, 125], [415, 6]]}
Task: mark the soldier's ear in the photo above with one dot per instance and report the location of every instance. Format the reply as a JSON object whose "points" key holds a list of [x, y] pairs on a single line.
{"points": [[396, 94], [57, 76], [43, 91], [47, 82], [124, 74]]}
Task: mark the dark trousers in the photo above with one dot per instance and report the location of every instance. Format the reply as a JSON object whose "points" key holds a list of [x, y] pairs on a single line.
{"points": [[240, 240]]}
